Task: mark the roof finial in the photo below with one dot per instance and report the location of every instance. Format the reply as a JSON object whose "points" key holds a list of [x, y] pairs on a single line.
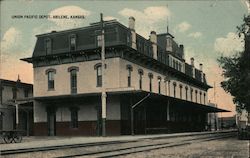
{"points": [[167, 22], [18, 78]]}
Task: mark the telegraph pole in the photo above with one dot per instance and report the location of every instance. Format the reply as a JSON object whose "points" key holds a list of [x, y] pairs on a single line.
{"points": [[104, 95]]}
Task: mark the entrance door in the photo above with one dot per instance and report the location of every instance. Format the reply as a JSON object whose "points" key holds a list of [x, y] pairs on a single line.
{"points": [[51, 123], [140, 120]]}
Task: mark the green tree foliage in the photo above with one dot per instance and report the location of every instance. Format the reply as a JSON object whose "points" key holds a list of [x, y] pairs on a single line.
{"points": [[236, 71]]}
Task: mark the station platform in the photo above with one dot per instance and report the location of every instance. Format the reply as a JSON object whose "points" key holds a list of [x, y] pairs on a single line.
{"points": [[54, 141]]}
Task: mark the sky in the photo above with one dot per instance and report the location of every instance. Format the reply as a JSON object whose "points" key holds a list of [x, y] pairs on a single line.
{"points": [[206, 28]]}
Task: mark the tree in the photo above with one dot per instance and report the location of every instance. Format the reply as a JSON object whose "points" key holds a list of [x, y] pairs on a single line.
{"points": [[236, 71]]}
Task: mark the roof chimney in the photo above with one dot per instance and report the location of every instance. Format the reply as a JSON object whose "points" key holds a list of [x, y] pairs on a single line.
{"points": [[182, 51], [193, 69], [192, 61], [131, 23], [201, 66], [201, 69], [153, 39]]}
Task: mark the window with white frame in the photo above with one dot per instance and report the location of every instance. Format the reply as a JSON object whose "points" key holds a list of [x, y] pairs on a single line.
{"points": [[51, 78], [73, 78]]}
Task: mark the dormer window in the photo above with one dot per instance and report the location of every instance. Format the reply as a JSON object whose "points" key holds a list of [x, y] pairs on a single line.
{"points": [[48, 46], [72, 40]]}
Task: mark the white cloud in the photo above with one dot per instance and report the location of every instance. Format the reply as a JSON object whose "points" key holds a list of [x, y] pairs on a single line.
{"points": [[26, 1], [69, 10], [10, 38], [147, 19], [229, 44], [246, 4], [195, 34], [148, 15], [106, 18], [184, 26]]}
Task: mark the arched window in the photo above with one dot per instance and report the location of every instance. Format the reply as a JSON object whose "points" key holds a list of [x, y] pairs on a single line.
{"points": [[180, 91], [159, 84], [51, 78], [186, 88], [167, 81], [191, 94], [174, 84], [98, 68], [204, 98], [73, 78], [130, 69], [196, 96], [200, 96], [150, 75], [140, 72]]}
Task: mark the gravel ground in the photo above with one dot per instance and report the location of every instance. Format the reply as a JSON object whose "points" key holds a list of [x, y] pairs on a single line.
{"points": [[225, 148]]}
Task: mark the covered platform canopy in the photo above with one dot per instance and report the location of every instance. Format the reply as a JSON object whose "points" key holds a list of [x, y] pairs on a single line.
{"points": [[176, 101], [184, 104]]}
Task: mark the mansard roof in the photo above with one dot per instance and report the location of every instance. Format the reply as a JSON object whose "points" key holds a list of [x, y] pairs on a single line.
{"points": [[116, 35], [86, 38]]}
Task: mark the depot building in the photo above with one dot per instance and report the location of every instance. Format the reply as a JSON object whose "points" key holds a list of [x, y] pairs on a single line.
{"points": [[149, 85]]}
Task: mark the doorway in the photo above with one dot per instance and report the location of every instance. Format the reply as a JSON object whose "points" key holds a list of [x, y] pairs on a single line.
{"points": [[51, 122]]}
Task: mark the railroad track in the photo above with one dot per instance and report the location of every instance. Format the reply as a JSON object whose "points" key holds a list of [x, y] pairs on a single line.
{"points": [[120, 150], [143, 148], [48, 148]]}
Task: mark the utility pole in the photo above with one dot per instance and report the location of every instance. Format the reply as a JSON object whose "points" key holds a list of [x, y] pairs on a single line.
{"points": [[104, 95]]}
